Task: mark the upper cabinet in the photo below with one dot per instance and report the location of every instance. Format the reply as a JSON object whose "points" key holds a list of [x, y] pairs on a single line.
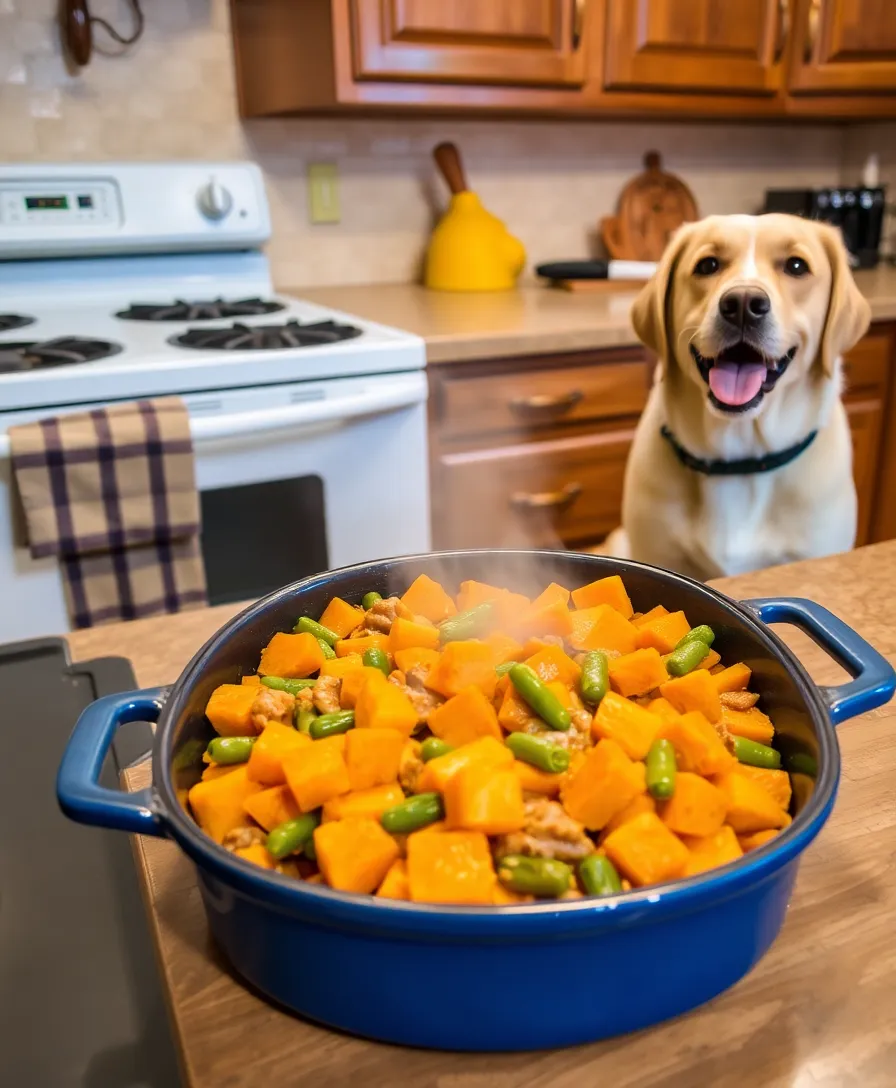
{"points": [[699, 45], [698, 58]]}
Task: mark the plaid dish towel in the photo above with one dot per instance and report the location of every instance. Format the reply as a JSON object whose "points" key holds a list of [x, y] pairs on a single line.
{"points": [[112, 493]]}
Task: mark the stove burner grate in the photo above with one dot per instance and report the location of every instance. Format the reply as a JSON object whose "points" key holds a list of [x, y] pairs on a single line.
{"points": [[209, 310], [292, 334], [23, 355], [14, 321]]}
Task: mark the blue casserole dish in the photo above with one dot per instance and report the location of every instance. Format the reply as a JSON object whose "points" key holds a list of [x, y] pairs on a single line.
{"points": [[510, 978]]}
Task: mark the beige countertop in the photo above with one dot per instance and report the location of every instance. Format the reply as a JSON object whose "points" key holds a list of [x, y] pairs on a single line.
{"points": [[816, 1011], [532, 320]]}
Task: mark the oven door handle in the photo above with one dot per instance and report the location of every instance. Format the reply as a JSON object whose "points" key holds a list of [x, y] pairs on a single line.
{"points": [[328, 410]]}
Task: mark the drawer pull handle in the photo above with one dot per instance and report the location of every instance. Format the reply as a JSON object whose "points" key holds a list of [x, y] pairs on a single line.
{"points": [[546, 500], [550, 405]]}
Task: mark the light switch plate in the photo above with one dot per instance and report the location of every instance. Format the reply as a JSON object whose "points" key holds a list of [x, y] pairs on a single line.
{"points": [[323, 192]]}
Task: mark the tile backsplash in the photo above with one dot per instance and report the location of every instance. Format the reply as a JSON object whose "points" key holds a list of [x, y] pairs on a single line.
{"points": [[172, 96]]}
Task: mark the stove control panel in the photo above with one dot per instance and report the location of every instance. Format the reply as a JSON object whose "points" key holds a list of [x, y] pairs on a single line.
{"points": [[63, 203]]}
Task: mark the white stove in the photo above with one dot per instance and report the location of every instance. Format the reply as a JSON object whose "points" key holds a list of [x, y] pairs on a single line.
{"points": [[140, 280]]}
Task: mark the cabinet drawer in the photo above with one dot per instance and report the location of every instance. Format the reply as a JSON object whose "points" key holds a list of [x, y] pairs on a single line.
{"points": [[541, 494], [866, 365], [525, 400]]}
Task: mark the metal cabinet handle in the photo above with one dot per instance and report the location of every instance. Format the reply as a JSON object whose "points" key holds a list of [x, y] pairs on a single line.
{"points": [[543, 402], [783, 28], [812, 29], [578, 19], [546, 500]]}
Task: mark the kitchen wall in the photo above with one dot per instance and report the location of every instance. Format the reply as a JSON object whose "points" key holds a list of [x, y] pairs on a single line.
{"points": [[173, 97]]}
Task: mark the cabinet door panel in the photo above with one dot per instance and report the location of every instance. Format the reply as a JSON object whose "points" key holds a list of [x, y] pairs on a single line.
{"points": [[865, 417], [846, 46]]}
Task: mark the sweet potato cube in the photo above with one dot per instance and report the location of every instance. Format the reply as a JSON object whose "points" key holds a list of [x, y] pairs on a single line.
{"points": [[751, 723], [316, 774], [425, 597], [217, 803], [776, 783], [229, 709], [215, 770], [251, 680], [609, 591], [381, 705], [360, 646], [416, 657], [272, 806], [550, 663], [734, 678], [605, 782], [696, 808], [352, 683], [698, 747], [632, 727], [465, 717], [342, 617], [514, 713], [662, 708], [409, 635], [554, 592], [462, 664], [710, 661], [694, 691], [553, 618], [258, 855], [473, 593], [266, 761], [486, 752], [756, 839], [372, 756], [291, 656], [710, 851], [654, 614], [663, 633], [642, 803], [534, 780], [609, 631], [450, 867], [370, 804], [750, 806], [341, 666], [645, 851], [354, 854], [504, 648], [395, 883], [637, 673], [483, 799]]}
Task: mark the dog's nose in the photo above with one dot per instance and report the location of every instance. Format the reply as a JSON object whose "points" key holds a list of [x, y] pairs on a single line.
{"points": [[744, 307]]}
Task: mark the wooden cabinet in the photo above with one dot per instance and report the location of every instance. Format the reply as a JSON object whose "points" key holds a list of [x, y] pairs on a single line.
{"points": [[844, 47]]}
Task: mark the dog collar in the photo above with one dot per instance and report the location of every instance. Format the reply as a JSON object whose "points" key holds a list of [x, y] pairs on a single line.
{"points": [[746, 466]]}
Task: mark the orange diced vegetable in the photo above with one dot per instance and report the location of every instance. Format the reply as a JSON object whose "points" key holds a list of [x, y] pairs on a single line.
{"points": [[637, 673], [698, 747], [450, 867], [461, 665], [534, 780], [425, 597], [352, 683], [272, 807], [370, 803], [416, 656], [372, 756], [258, 855], [604, 784], [776, 783], [395, 883], [550, 663], [514, 714], [694, 691], [662, 708], [632, 727], [295, 656], [483, 799], [554, 592], [354, 854], [341, 666], [696, 807], [266, 761], [553, 618], [215, 770], [486, 752], [473, 593], [710, 661], [653, 614], [218, 803], [504, 897], [645, 851], [341, 617], [251, 680], [504, 648], [408, 635], [663, 633], [751, 723], [756, 839], [711, 850], [734, 678], [642, 803], [750, 807], [360, 646], [316, 774], [609, 631], [465, 717], [381, 705], [609, 591], [229, 709]]}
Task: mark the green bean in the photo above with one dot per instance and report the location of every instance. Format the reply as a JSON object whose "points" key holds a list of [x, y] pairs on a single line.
{"points": [[504, 668], [310, 850], [307, 626], [304, 716], [540, 697], [290, 837], [542, 877], [703, 633], [279, 683], [598, 876], [469, 624], [686, 658], [410, 815], [539, 752], [661, 770], [377, 659], [230, 749], [370, 599], [753, 753], [433, 747], [328, 651], [595, 682], [328, 725], [802, 763]]}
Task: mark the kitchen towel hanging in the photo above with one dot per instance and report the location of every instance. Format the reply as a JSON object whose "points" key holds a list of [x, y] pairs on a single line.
{"points": [[112, 494]]}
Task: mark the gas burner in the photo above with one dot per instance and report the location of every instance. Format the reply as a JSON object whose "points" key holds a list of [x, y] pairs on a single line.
{"points": [[14, 321], [239, 337], [22, 355], [211, 310]]}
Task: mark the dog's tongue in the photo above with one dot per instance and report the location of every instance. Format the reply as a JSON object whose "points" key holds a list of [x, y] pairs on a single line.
{"points": [[736, 383]]}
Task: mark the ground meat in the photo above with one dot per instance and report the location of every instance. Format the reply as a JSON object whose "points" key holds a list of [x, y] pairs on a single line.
{"points": [[578, 737], [549, 832], [305, 699], [422, 699], [409, 766], [727, 738], [383, 614], [416, 676], [325, 694], [241, 837], [272, 706], [738, 700]]}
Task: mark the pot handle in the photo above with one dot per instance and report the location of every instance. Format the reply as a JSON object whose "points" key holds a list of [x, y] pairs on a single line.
{"points": [[78, 791], [874, 678]]}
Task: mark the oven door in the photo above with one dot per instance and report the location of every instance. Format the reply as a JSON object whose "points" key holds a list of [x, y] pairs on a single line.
{"points": [[293, 479]]}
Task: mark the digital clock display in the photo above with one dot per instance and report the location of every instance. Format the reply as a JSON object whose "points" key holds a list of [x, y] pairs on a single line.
{"points": [[44, 203]]}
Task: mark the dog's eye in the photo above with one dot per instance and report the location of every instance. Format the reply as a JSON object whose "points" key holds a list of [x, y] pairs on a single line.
{"points": [[796, 266], [706, 266]]}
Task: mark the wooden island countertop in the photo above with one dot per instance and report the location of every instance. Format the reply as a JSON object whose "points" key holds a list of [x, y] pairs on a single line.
{"points": [[817, 1012]]}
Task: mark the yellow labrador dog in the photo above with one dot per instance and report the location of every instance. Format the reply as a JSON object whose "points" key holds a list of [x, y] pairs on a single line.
{"points": [[742, 458]]}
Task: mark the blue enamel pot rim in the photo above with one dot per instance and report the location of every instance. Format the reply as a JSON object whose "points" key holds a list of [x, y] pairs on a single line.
{"points": [[324, 905]]}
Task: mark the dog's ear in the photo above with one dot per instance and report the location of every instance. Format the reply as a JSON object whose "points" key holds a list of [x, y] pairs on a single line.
{"points": [[849, 314], [650, 309]]}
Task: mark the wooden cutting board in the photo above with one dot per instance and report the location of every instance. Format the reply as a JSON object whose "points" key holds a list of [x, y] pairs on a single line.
{"points": [[651, 207]]}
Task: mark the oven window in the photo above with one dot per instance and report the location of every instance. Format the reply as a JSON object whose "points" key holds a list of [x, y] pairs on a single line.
{"points": [[259, 537]]}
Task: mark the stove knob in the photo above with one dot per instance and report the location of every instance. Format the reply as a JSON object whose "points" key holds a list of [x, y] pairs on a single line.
{"points": [[214, 200]]}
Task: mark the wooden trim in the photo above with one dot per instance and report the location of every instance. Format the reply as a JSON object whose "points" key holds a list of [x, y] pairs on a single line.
{"points": [[883, 518]]}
